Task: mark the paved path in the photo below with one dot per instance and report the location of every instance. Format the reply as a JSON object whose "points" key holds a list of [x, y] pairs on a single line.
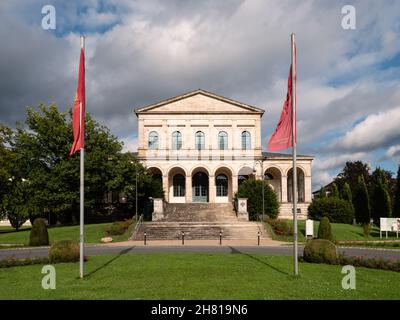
{"points": [[195, 246]]}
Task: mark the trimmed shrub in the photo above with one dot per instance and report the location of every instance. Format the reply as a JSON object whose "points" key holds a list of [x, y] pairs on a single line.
{"points": [[320, 251], [337, 210], [252, 190], [118, 227], [39, 235], [366, 229], [324, 229], [64, 251]]}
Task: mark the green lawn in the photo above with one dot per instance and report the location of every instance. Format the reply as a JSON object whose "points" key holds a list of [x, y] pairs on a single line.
{"points": [[93, 234], [341, 232], [196, 276]]}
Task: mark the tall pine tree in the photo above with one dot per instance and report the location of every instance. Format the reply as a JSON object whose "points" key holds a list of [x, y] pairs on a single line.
{"points": [[334, 191], [381, 202], [361, 202], [396, 208], [346, 193]]}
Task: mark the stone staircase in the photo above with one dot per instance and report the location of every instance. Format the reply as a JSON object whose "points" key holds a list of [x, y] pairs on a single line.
{"points": [[200, 221]]}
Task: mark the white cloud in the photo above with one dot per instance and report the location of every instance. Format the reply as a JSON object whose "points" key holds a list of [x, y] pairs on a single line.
{"points": [[376, 131], [130, 144]]}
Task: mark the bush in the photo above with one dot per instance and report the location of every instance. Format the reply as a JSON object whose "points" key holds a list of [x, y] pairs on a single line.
{"points": [[320, 251], [64, 251], [39, 235], [118, 227], [337, 210], [366, 229], [252, 190], [281, 227], [8, 263], [324, 229]]}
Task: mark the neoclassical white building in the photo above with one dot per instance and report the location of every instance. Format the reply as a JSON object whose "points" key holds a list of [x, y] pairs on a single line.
{"points": [[202, 145]]}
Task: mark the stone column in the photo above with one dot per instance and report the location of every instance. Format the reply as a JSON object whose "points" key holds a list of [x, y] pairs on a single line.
{"points": [[211, 189], [188, 190], [307, 189], [242, 209], [284, 189], [234, 185], [158, 209], [165, 187]]}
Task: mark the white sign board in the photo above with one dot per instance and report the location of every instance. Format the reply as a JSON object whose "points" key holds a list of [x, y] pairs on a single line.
{"points": [[309, 228], [389, 225]]}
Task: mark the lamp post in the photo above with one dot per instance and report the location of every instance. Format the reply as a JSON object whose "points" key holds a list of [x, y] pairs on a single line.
{"points": [[262, 174]]}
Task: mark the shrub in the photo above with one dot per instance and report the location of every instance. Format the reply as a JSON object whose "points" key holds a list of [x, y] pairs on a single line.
{"points": [[281, 227], [252, 190], [337, 210], [324, 229], [8, 263], [39, 235], [320, 251], [118, 227], [64, 251], [366, 229]]}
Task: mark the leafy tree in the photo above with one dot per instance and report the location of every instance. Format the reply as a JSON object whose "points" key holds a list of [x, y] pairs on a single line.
{"points": [[6, 163], [126, 170], [334, 191], [42, 151], [15, 203], [381, 201], [337, 210], [361, 202], [350, 174], [346, 193], [252, 190], [396, 207]]}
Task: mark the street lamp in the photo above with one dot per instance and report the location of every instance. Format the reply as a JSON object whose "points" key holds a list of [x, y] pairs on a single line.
{"points": [[262, 173]]}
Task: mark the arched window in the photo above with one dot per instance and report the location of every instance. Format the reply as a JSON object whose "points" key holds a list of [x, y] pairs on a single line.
{"points": [[246, 140], [179, 185], [221, 182], [176, 140], [223, 140], [153, 140], [199, 141]]}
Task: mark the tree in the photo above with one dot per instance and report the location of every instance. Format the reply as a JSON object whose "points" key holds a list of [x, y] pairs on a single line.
{"points": [[15, 203], [350, 174], [252, 190], [6, 162], [361, 202], [42, 154], [381, 201], [126, 169], [396, 207], [334, 191], [346, 193]]}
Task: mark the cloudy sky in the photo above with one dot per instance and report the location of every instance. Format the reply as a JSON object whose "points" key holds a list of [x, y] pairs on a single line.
{"points": [[140, 52]]}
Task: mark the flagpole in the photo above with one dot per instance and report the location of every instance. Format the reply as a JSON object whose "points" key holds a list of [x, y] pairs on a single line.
{"points": [[82, 181], [294, 170]]}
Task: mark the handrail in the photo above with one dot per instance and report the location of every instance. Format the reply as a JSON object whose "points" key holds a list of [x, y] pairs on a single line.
{"points": [[137, 226]]}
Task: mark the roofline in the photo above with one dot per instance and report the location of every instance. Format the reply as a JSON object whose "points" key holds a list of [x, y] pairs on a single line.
{"points": [[194, 92]]}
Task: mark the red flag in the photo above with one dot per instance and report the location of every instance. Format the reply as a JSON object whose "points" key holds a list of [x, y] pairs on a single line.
{"points": [[282, 137], [78, 111]]}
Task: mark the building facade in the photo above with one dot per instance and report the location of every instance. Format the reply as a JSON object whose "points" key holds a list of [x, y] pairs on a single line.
{"points": [[202, 146]]}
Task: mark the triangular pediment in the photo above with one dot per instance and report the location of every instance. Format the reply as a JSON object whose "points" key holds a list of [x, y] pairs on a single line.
{"points": [[199, 101]]}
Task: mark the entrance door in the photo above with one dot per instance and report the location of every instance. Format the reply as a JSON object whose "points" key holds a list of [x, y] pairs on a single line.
{"points": [[200, 187]]}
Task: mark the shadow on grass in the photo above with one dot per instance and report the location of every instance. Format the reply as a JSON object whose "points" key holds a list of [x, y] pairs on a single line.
{"points": [[125, 251], [236, 251]]}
